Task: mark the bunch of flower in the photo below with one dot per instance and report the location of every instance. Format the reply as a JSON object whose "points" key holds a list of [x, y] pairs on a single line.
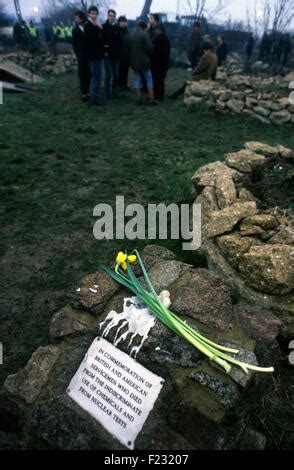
{"points": [[124, 274]]}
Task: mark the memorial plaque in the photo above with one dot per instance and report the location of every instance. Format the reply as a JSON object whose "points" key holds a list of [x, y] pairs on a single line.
{"points": [[115, 389]]}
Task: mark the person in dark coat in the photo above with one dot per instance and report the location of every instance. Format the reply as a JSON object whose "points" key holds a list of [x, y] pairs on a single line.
{"points": [[153, 22], [195, 45], [17, 33], [222, 50], [112, 45], [160, 61], [80, 50], [124, 62], [95, 52]]}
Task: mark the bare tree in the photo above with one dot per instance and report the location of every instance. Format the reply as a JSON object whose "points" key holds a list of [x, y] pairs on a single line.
{"points": [[283, 15], [231, 25], [276, 15], [198, 8], [59, 9], [213, 12]]}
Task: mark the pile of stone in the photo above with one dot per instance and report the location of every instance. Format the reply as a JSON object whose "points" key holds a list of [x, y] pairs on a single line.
{"points": [[253, 248], [199, 406], [236, 65], [44, 62], [244, 95]]}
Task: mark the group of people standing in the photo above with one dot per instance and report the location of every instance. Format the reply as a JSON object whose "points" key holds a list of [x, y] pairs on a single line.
{"points": [[25, 34], [146, 51], [196, 46], [59, 32]]}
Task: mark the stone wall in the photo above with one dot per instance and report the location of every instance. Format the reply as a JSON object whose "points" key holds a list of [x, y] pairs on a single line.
{"points": [[245, 239], [45, 62], [264, 99], [199, 407], [243, 298]]}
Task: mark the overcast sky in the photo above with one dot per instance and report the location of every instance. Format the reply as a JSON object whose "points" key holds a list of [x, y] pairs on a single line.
{"points": [[132, 8]]}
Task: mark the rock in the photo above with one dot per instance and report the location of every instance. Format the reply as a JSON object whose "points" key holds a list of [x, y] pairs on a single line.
{"points": [[238, 81], [284, 101], [262, 119], [289, 77], [252, 230], [227, 393], [284, 152], [206, 299], [277, 106], [248, 113], [262, 111], [220, 105], [152, 254], [238, 95], [28, 382], [219, 264], [262, 149], [252, 440], [258, 323], [245, 195], [265, 103], [225, 220], [225, 96], [200, 88], [193, 101], [225, 190], [208, 202], [93, 292], [165, 273], [244, 355], [236, 106], [266, 221], [269, 268], [284, 236], [197, 412], [67, 322], [251, 102], [234, 246], [244, 160], [59, 66], [207, 174], [280, 117]]}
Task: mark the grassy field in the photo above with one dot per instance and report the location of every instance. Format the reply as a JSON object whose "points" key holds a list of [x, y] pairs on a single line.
{"points": [[59, 158]]}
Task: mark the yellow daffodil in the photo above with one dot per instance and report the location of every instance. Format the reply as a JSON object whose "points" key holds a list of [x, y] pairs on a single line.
{"points": [[160, 309], [121, 260]]}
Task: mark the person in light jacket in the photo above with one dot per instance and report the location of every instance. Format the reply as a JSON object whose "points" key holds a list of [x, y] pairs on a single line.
{"points": [[141, 50]]}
